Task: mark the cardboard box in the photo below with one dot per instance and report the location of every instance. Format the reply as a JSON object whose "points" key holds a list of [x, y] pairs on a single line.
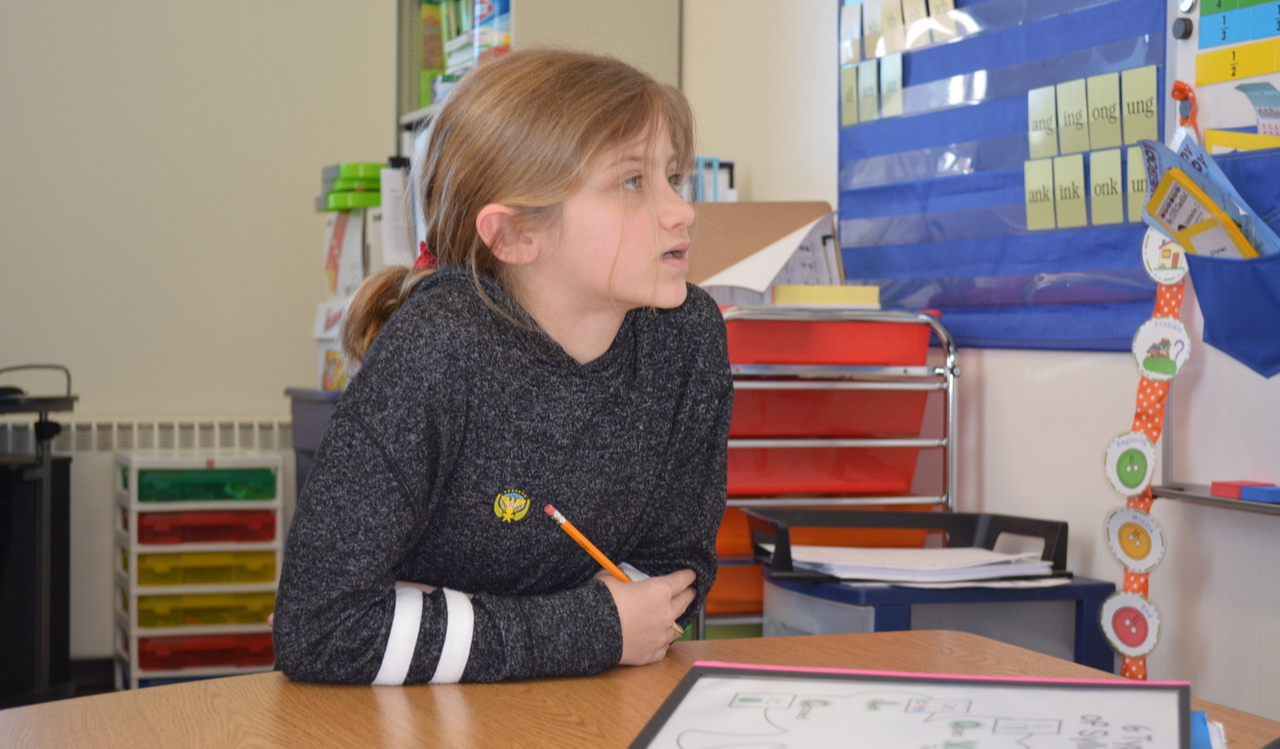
{"points": [[741, 249], [344, 260], [331, 370]]}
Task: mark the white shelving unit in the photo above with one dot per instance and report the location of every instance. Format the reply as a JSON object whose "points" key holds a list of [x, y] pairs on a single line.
{"points": [[198, 543], [644, 34]]}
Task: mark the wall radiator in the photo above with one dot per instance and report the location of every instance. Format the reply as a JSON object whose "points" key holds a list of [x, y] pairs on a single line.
{"points": [[92, 445]]}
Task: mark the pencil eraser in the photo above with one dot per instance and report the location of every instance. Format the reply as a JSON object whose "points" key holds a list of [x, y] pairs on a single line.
{"points": [[1261, 493], [1231, 489], [549, 509]]}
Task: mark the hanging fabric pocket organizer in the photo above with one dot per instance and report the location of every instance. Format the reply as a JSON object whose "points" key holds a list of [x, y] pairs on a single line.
{"points": [[1240, 299]]}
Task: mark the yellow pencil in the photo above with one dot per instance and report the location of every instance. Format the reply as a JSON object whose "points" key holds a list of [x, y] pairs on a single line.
{"points": [[595, 553], [589, 547]]}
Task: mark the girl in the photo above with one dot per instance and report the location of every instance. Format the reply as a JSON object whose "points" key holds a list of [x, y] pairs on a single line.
{"points": [[555, 355]]}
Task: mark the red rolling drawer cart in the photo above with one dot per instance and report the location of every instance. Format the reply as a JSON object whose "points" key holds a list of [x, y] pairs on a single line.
{"points": [[830, 410]]}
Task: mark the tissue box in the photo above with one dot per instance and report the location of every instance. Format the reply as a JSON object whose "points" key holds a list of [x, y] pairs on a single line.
{"points": [[331, 370]]}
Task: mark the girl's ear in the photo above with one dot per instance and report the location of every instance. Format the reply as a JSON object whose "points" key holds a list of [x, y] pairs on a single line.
{"points": [[498, 228]]}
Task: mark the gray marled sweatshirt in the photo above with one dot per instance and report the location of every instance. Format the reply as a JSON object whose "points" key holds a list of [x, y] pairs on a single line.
{"points": [[435, 468]]}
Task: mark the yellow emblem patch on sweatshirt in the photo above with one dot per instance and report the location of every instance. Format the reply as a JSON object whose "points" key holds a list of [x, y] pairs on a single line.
{"points": [[511, 505]]}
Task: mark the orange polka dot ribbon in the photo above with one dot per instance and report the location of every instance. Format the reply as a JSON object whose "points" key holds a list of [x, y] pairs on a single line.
{"points": [[1148, 418]]}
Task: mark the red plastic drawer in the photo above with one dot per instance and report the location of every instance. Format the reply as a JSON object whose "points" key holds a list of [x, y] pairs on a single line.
{"points": [[766, 471], [759, 412], [196, 651], [801, 342], [211, 526], [739, 589]]}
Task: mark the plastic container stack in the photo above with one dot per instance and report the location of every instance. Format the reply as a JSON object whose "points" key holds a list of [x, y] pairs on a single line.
{"points": [[198, 544]]}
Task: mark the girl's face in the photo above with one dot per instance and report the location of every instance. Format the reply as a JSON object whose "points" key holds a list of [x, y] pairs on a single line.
{"points": [[623, 239]]}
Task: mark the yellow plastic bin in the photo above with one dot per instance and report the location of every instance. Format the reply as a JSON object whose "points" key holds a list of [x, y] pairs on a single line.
{"points": [[205, 608], [204, 567]]}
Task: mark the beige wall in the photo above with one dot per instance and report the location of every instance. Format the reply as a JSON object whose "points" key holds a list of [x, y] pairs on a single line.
{"points": [[761, 76], [162, 159], [1033, 424], [645, 34]]}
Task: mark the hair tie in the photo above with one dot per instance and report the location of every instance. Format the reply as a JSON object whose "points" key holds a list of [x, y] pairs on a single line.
{"points": [[425, 261]]}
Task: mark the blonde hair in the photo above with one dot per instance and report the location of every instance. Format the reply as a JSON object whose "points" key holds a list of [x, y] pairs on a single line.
{"points": [[521, 131]]}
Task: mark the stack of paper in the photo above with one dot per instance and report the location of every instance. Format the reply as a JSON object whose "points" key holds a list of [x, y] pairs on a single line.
{"points": [[917, 565]]}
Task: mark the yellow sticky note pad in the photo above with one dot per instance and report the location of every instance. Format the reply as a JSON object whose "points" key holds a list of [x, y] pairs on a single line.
{"points": [[891, 85], [1037, 180], [1106, 187], [1069, 191], [845, 296], [868, 90], [1138, 95], [1042, 122], [1073, 119], [848, 95], [1135, 185], [1103, 93]]}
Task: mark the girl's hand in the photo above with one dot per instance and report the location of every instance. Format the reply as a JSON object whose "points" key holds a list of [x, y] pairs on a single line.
{"points": [[647, 609]]}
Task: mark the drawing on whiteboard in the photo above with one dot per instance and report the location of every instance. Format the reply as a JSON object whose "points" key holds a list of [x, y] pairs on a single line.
{"points": [[722, 709]]}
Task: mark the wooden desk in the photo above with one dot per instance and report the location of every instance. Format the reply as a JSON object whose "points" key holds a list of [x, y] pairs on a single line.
{"points": [[608, 710]]}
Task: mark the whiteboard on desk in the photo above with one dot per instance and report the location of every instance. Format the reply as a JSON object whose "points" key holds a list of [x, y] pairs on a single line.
{"points": [[720, 705]]}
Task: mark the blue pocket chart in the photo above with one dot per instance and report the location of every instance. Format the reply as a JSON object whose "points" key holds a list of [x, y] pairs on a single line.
{"points": [[932, 203]]}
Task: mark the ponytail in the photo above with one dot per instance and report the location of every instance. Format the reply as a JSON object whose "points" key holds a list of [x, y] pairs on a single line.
{"points": [[374, 303]]}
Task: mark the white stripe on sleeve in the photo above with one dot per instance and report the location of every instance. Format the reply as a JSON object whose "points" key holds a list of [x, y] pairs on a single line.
{"points": [[405, 624], [459, 629]]}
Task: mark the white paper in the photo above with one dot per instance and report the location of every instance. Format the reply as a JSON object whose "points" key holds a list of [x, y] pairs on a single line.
{"points": [[951, 564], [1031, 582], [397, 239]]}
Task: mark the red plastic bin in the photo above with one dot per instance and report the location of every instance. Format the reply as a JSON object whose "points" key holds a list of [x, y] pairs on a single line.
{"points": [[770, 471], [197, 651], [761, 412], [738, 589], [824, 412], [208, 526], [826, 342]]}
